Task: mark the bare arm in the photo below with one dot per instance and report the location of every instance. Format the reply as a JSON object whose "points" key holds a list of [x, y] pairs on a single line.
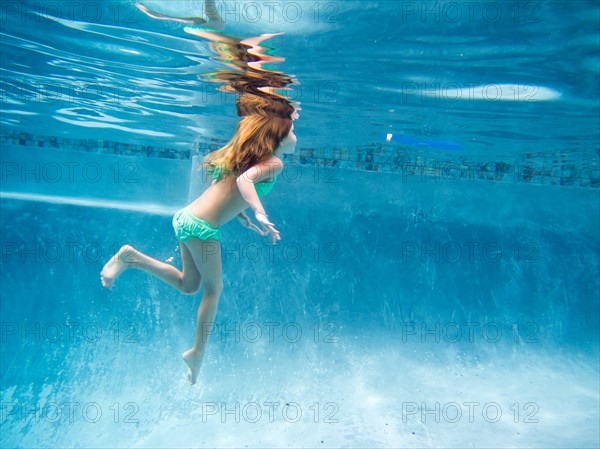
{"points": [[259, 172], [246, 222], [246, 181]]}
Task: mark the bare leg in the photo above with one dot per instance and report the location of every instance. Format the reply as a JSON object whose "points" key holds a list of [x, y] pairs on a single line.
{"points": [[159, 16], [186, 281], [212, 13], [207, 255], [206, 317]]}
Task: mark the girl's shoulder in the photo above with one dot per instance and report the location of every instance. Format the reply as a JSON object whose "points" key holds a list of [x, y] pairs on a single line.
{"points": [[274, 162]]}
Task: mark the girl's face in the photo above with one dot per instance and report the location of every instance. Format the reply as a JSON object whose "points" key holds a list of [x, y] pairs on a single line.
{"points": [[288, 145]]}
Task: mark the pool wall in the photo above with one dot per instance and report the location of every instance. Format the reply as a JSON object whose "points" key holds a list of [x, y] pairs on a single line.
{"points": [[452, 274], [381, 249]]}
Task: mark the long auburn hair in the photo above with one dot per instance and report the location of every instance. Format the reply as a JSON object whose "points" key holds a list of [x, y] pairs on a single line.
{"points": [[264, 126]]}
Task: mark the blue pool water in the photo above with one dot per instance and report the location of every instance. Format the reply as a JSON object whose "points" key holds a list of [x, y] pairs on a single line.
{"points": [[436, 284]]}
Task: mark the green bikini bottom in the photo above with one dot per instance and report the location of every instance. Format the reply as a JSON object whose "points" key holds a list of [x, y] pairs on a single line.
{"points": [[187, 226]]}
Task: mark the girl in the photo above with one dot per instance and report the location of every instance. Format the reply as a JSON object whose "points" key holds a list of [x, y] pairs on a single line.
{"points": [[243, 171]]}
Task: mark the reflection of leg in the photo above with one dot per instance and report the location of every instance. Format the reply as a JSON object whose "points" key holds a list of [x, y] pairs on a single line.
{"points": [[207, 256], [212, 13], [159, 16]]}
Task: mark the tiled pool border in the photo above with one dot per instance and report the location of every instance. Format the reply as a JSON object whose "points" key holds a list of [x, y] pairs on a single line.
{"points": [[567, 168]]}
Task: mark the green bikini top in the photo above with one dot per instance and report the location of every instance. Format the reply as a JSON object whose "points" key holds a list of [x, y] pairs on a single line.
{"points": [[262, 188]]}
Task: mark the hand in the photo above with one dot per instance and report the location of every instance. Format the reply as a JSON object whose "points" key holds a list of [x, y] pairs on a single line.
{"points": [[245, 220], [268, 226]]}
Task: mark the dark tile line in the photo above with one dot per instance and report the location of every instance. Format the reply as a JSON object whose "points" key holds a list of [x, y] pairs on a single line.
{"points": [[568, 168]]}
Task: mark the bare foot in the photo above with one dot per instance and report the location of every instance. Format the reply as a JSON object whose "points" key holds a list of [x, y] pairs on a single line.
{"points": [[193, 360], [116, 265]]}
